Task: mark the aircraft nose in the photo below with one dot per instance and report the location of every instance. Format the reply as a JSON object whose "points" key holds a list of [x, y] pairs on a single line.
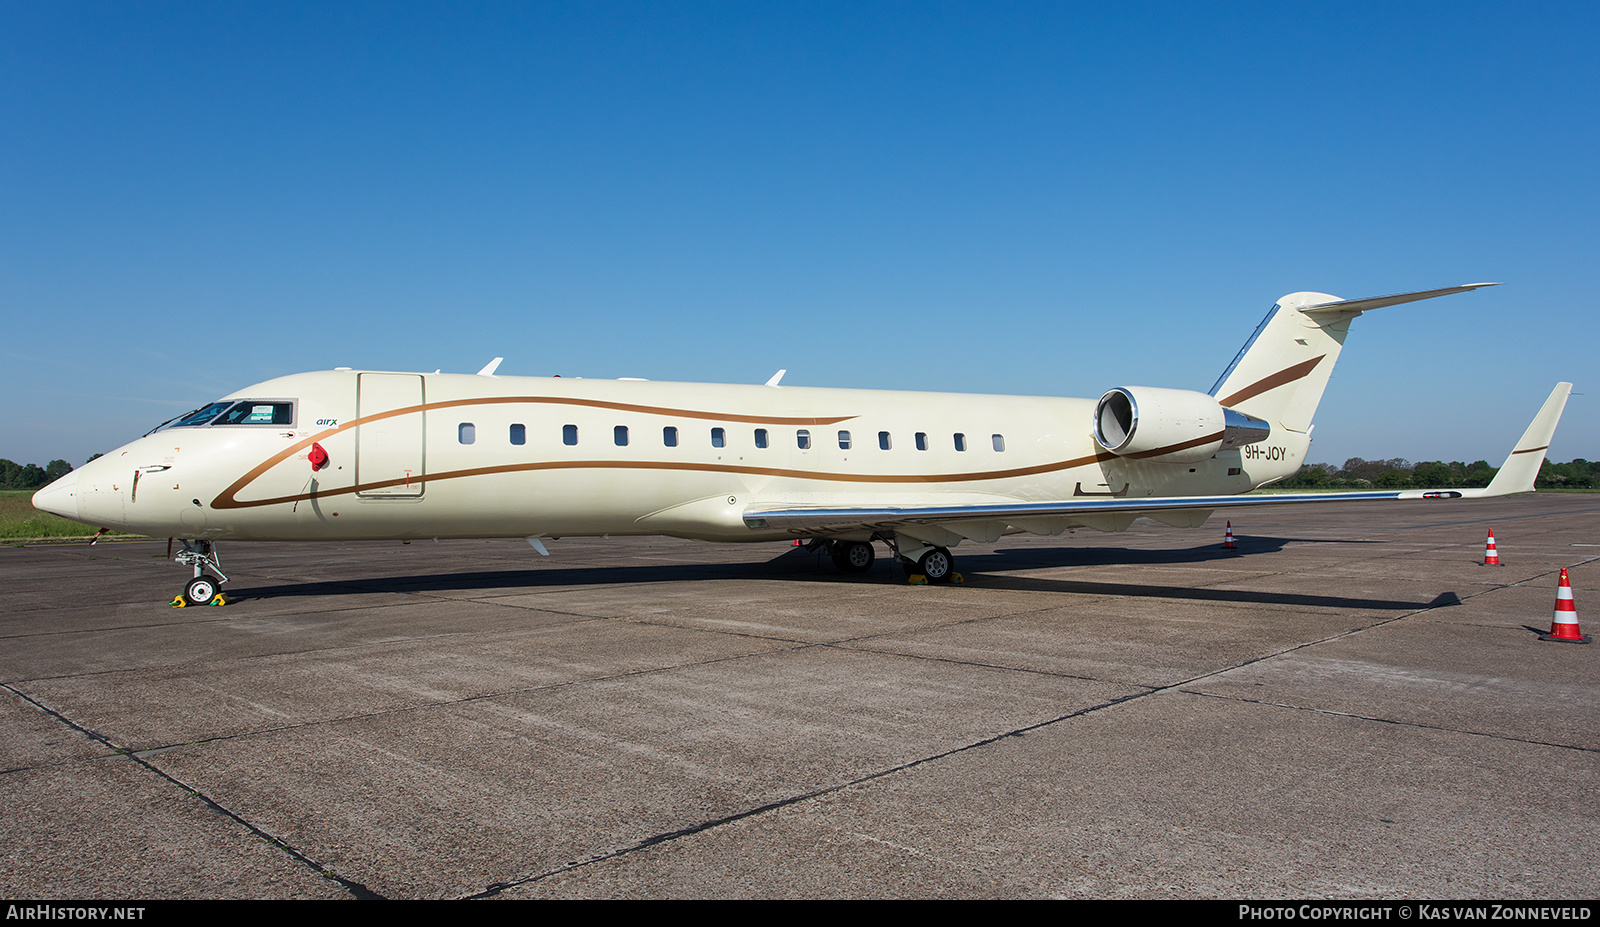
{"points": [[60, 497]]}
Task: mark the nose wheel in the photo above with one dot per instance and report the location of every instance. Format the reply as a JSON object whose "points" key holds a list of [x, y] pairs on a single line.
{"points": [[202, 590]]}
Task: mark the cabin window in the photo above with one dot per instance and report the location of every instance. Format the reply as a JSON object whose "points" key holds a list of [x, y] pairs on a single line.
{"points": [[719, 437], [519, 434], [961, 441], [620, 435], [844, 440], [883, 440], [803, 439], [569, 435], [466, 432], [761, 437], [922, 440], [669, 436], [999, 442]]}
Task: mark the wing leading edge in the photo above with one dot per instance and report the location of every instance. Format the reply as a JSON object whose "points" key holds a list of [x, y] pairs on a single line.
{"points": [[1515, 476]]}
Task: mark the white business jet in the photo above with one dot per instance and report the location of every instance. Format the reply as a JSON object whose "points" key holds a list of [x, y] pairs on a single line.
{"points": [[354, 454]]}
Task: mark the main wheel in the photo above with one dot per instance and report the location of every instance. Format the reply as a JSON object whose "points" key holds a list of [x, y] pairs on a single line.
{"points": [[853, 556], [200, 591], [937, 565]]}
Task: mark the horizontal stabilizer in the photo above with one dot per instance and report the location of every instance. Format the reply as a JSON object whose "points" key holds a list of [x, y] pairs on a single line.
{"points": [[1354, 307]]}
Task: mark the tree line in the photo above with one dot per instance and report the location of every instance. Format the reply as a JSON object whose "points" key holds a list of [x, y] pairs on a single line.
{"points": [[32, 476], [1398, 473]]}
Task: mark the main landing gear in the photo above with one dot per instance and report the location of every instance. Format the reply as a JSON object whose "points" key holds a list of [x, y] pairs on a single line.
{"points": [[202, 590], [852, 556], [937, 565], [922, 564]]}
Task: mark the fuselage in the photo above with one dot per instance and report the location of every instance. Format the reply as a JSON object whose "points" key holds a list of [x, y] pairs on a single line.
{"points": [[447, 455]]}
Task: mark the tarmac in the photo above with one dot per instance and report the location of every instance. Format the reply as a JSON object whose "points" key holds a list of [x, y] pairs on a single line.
{"points": [[1348, 706]]}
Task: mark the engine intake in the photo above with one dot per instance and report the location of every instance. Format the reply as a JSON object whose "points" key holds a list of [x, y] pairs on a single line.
{"points": [[1171, 425]]}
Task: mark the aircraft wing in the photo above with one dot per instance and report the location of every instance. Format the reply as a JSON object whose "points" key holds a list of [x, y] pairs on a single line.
{"points": [[987, 521]]}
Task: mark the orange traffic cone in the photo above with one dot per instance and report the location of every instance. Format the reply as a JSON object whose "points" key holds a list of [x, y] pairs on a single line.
{"points": [[1565, 625], [1491, 557], [1227, 539]]}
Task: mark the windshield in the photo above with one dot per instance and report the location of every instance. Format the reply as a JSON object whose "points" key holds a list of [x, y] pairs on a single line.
{"points": [[234, 412], [197, 417]]}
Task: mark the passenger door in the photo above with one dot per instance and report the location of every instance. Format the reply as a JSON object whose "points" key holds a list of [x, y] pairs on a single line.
{"points": [[390, 448]]}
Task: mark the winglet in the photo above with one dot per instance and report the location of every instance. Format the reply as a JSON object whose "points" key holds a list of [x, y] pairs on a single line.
{"points": [[1522, 464], [489, 368], [777, 376]]}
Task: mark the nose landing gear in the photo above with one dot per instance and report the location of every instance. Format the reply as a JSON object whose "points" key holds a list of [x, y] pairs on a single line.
{"points": [[202, 590]]}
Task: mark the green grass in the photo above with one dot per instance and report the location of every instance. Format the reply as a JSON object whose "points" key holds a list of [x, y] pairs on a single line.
{"points": [[20, 521]]}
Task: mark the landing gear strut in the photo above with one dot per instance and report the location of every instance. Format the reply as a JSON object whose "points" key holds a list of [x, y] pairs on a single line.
{"points": [[202, 590]]}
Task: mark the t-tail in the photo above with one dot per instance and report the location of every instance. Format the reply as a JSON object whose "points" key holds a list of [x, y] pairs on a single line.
{"points": [[1281, 371]]}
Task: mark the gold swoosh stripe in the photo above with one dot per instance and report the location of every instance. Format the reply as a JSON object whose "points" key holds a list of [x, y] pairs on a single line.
{"points": [[1286, 375], [228, 499], [1193, 442], [1530, 450], [605, 404]]}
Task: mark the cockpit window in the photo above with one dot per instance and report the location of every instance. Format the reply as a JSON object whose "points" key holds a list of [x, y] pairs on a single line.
{"points": [[235, 412], [201, 416], [257, 412]]}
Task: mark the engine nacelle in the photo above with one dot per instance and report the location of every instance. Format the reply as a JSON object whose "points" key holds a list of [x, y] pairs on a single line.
{"points": [[1171, 425]]}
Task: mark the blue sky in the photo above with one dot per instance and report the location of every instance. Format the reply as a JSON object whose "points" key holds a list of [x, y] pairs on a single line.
{"points": [[1052, 198]]}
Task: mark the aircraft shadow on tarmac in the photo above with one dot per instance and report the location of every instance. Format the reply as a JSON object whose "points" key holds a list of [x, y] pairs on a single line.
{"points": [[798, 565]]}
